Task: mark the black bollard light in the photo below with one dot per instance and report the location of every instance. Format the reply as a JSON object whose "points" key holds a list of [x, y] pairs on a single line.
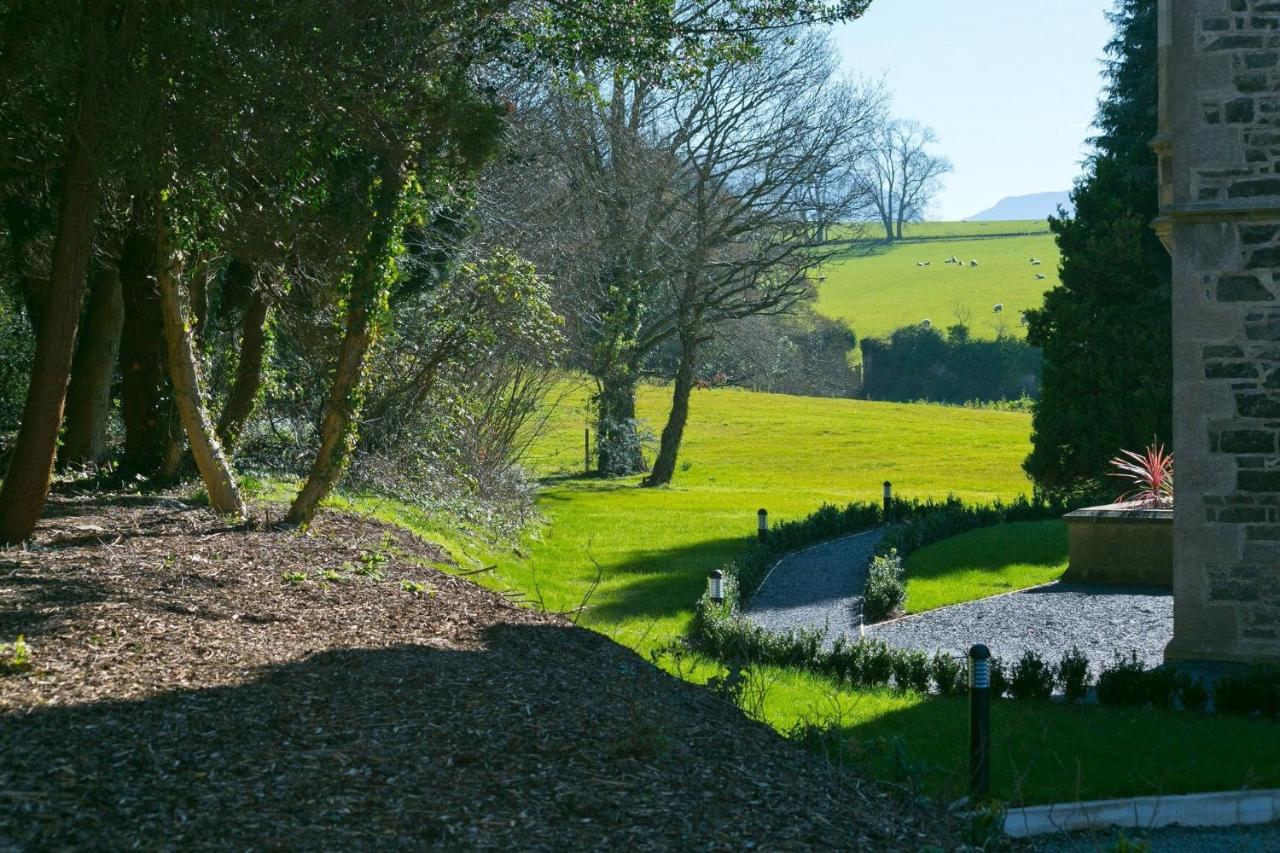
{"points": [[715, 587], [762, 524], [888, 501], [979, 722]]}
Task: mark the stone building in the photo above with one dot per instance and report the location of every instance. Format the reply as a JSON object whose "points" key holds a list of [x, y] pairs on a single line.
{"points": [[1219, 149]]}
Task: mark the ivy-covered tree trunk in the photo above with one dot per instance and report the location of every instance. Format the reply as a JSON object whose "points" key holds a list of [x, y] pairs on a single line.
{"points": [[664, 465], [365, 301], [89, 396], [618, 450], [26, 483], [144, 397], [184, 374], [248, 379]]}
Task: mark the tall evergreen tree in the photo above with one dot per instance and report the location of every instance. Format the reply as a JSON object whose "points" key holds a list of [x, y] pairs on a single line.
{"points": [[1106, 332]]}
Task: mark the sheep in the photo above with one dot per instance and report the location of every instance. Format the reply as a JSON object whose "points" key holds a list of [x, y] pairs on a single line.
{"points": [[998, 307], [1035, 262], [1041, 276], [922, 263], [973, 263], [926, 323]]}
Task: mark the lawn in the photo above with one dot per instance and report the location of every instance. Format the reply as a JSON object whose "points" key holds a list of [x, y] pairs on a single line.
{"points": [[634, 561], [879, 289], [986, 562]]}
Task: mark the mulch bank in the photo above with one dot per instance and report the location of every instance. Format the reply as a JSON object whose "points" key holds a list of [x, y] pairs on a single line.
{"points": [[190, 689]]}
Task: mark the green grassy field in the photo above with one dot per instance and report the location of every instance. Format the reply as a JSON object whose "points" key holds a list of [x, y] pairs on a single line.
{"points": [[986, 562], [879, 289], [633, 561]]}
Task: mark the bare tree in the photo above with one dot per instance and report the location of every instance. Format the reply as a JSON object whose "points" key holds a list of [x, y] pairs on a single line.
{"points": [[901, 176]]}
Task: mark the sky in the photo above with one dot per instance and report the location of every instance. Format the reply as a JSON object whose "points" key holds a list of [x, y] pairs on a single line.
{"points": [[1010, 86]]}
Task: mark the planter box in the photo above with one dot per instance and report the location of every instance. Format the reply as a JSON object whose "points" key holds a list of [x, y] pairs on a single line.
{"points": [[1121, 544]]}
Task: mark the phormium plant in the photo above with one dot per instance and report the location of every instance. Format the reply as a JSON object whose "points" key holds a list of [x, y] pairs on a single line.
{"points": [[1150, 474]]}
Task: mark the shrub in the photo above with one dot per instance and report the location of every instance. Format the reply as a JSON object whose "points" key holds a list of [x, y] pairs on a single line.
{"points": [[1032, 678], [999, 680], [949, 674], [1073, 675], [1123, 682], [877, 664], [911, 670], [1256, 691], [1194, 696], [885, 591]]}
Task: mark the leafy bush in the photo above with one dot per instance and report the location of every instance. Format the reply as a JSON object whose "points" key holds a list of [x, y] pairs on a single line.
{"points": [[1032, 678], [911, 670], [1073, 675], [916, 363], [949, 674], [999, 680], [1194, 696], [1123, 682], [886, 589], [1256, 691]]}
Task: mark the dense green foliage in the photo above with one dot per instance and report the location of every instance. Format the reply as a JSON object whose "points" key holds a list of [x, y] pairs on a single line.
{"points": [[919, 363], [1105, 333]]}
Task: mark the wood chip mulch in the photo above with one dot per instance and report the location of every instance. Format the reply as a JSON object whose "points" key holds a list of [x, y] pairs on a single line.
{"points": [[188, 689]]}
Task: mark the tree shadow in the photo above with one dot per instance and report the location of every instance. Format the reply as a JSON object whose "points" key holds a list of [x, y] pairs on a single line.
{"points": [[661, 582], [36, 604], [546, 736]]}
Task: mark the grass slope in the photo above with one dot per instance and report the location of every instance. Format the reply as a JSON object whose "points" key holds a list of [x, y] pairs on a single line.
{"points": [[638, 559], [879, 289], [985, 562]]}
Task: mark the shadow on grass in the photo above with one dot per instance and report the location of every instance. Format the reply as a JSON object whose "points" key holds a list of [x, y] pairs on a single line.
{"points": [[545, 737], [664, 581], [1048, 752]]}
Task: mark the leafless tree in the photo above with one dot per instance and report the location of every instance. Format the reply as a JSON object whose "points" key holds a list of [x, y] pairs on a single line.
{"points": [[901, 176]]}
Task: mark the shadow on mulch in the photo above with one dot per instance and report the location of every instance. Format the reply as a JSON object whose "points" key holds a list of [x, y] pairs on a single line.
{"points": [[196, 699]]}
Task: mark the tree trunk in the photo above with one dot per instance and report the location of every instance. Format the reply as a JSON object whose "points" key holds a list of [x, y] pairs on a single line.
{"points": [[664, 466], [89, 395], [618, 450], [184, 374], [365, 301], [244, 390], [26, 485], [144, 400]]}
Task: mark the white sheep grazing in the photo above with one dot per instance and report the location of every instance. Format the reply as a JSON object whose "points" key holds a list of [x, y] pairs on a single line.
{"points": [[1035, 262], [926, 323], [999, 306], [973, 263], [1022, 319], [1040, 276]]}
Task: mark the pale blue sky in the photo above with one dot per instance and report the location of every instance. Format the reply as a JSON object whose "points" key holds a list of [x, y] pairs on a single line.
{"points": [[1011, 86]]}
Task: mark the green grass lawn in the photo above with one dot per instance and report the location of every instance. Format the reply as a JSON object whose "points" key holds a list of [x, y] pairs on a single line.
{"points": [[636, 560], [879, 289], [985, 562]]}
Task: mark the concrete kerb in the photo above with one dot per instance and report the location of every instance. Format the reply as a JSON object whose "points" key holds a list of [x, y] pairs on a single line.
{"points": [[1226, 808]]}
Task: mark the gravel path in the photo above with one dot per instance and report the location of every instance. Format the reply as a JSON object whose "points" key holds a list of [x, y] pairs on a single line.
{"points": [[1100, 620], [817, 588]]}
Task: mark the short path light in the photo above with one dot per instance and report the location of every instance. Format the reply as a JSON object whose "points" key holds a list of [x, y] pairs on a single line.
{"points": [[715, 587], [979, 722], [888, 501], [762, 524]]}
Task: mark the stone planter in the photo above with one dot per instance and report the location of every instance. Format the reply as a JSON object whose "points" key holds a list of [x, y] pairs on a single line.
{"points": [[1120, 544]]}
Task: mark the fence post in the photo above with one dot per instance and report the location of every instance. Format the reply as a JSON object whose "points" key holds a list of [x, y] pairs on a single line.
{"points": [[888, 502], [586, 450], [762, 524], [979, 722]]}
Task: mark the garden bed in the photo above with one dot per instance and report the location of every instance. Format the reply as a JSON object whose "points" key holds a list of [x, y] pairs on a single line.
{"points": [[195, 685], [1121, 544]]}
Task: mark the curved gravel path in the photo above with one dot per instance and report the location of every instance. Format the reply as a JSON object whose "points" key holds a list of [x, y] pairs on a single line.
{"points": [[1230, 839], [1101, 620], [819, 588]]}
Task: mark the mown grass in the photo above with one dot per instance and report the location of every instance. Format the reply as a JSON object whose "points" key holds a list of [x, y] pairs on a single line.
{"points": [[630, 563], [985, 562], [880, 289]]}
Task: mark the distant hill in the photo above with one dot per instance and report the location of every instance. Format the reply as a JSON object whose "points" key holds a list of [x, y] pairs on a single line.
{"points": [[1034, 206]]}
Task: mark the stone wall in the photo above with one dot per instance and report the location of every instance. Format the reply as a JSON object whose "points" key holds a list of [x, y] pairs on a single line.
{"points": [[1219, 146]]}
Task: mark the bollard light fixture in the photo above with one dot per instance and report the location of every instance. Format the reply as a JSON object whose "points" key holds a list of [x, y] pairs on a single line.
{"points": [[762, 523], [715, 587], [979, 722]]}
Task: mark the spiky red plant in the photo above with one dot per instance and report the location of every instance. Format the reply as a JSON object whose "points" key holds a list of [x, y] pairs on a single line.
{"points": [[1150, 473]]}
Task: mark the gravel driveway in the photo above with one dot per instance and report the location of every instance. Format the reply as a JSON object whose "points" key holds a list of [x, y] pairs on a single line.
{"points": [[1101, 620]]}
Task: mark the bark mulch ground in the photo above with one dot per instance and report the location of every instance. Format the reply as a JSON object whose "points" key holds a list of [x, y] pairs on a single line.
{"points": [[190, 689]]}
